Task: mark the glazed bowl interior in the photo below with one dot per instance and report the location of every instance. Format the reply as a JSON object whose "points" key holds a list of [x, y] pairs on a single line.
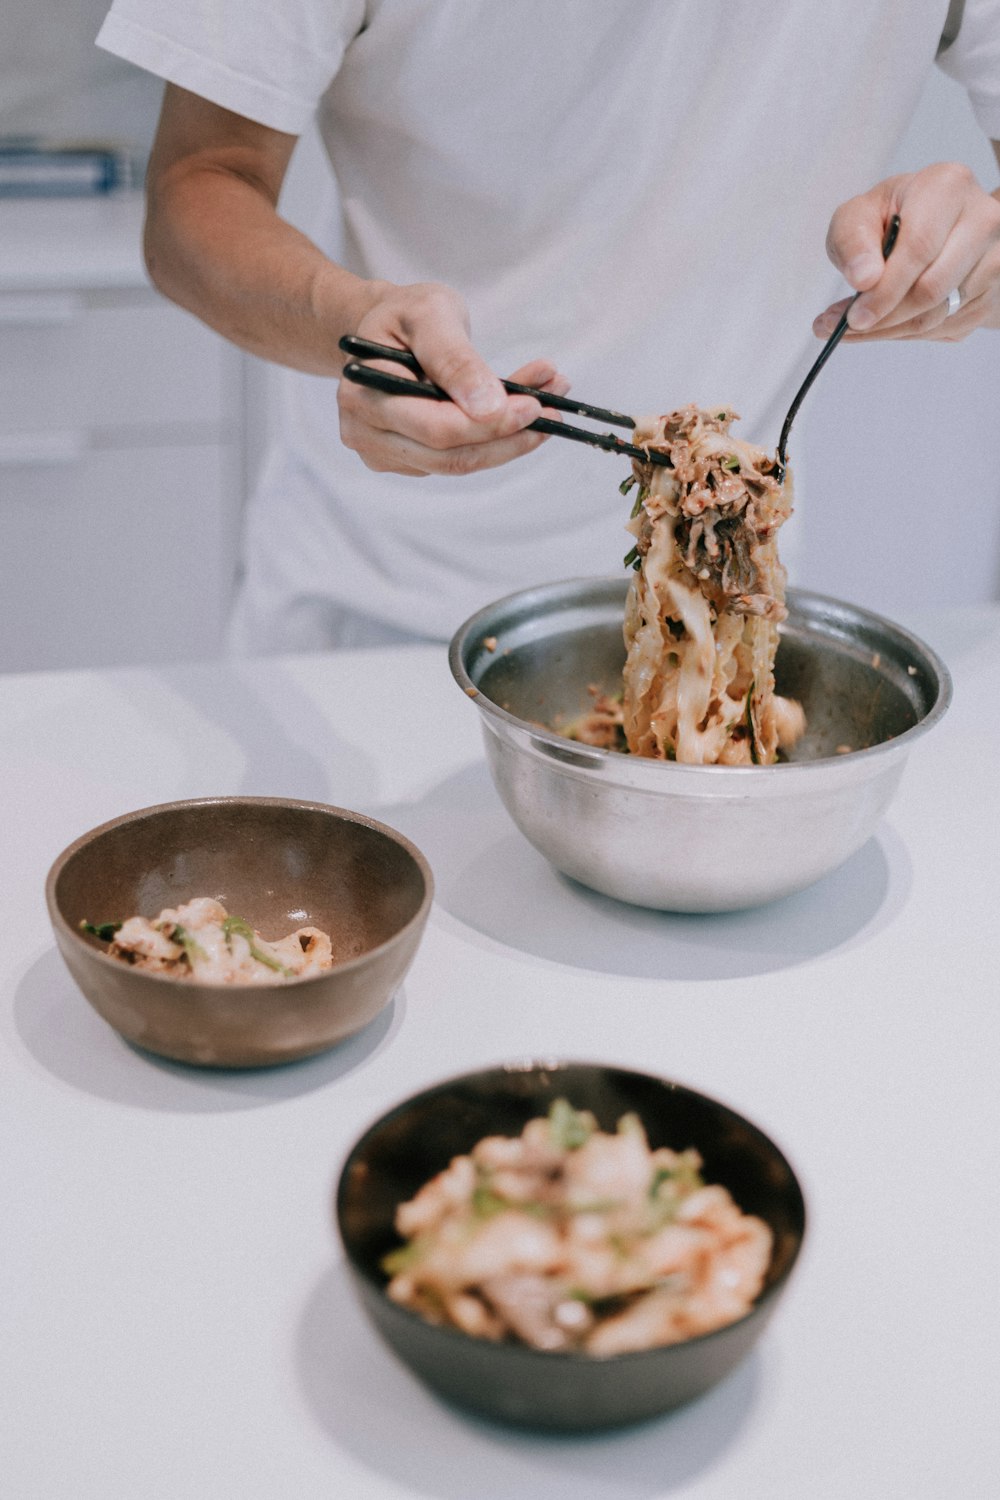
{"points": [[279, 863], [512, 1382]]}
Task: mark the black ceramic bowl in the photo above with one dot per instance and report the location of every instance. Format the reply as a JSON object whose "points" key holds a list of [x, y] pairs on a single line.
{"points": [[511, 1382]]}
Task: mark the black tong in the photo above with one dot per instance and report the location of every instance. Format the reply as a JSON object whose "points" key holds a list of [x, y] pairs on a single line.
{"points": [[824, 354], [398, 385]]}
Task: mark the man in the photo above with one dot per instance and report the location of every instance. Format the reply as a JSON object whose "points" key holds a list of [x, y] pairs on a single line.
{"points": [[632, 193]]}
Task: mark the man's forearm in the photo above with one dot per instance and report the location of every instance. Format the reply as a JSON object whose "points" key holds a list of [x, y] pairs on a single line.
{"points": [[216, 245]]}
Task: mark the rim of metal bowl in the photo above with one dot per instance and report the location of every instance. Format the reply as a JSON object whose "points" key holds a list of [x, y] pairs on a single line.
{"points": [[583, 757]]}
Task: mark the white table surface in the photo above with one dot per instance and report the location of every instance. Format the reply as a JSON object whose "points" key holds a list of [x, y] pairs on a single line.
{"points": [[176, 1321]]}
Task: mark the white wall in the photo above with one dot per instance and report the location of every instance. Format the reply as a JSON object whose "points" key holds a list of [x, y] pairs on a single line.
{"points": [[55, 82]]}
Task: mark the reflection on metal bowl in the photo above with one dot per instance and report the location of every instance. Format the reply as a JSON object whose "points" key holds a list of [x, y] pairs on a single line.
{"points": [[694, 838]]}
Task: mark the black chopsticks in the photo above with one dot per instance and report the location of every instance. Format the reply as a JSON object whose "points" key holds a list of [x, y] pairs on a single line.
{"points": [[398, 385]]}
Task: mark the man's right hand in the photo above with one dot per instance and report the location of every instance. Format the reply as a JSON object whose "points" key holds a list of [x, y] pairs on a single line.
{"points": [[484, 427], [216, 244]]}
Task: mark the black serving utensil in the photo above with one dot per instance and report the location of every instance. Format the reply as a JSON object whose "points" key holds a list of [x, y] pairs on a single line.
{"points": [[826, 351], [400, 385]]}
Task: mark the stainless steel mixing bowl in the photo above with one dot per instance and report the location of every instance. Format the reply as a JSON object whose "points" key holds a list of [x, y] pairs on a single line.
{"points": [[694, 838]]}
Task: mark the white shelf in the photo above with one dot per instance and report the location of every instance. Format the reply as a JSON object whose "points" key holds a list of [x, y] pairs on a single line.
{"points": [[53, 243], [121, 441]]}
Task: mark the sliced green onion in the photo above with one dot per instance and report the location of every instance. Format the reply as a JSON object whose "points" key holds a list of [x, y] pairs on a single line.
{"points": [[105, 931], [570, 1127], [192, 948], [752, 728], [242, 928]]}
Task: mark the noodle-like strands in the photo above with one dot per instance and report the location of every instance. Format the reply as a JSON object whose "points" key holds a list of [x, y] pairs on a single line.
{"points": [[703, 608]]}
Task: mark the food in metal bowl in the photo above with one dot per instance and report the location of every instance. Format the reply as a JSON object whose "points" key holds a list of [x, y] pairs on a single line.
{"points": [[706, 596], [694, 838]]}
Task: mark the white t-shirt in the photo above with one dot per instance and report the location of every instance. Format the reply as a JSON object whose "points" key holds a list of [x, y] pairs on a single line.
{"points": [[639, 191]]}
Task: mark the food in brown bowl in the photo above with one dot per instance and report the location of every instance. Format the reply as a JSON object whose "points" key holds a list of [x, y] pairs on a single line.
{"points": [[279, 866]]}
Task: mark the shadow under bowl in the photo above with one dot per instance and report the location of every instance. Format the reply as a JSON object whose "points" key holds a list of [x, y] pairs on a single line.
{"points": [[511, 1382], [279, 863], [693, 838]]}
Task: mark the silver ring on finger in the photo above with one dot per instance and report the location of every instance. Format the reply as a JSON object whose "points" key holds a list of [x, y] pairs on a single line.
{"points": [[954, 301]]}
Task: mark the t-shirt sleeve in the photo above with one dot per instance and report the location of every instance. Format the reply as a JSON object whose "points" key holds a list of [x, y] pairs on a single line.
{"points": [[974, 60], [270, 60]]}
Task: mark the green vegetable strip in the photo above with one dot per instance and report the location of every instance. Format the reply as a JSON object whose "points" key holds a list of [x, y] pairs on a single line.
{"points": [[752, 728], [192, 948], [105, 931], [570, 1127], [242, 928]]}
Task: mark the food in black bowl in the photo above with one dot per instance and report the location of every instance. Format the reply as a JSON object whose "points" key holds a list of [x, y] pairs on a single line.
{"points": [[544, 1335]]}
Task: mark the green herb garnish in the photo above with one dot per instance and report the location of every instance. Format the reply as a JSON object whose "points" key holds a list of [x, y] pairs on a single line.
{"points": [[192, 948], [640, 501], [570, 1127], [105, 931], [486, 1203], [241, 927], [752, 729], [402, 1258]]}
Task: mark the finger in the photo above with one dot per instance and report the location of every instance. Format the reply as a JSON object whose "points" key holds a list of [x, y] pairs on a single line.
{"points": [[537, 372], [952, 330], [383, 428], [390, 451], [439, 424], [937, 324], [954, 267], [441, 344], [559, 386], [826, 322], [916, 250], [979, 290], [542, 375], [932, 205], [857, 232], [896, 325], [432, 320]]}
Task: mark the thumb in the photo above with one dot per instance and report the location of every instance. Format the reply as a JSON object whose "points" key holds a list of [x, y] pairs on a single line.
{"points": [[857, 229], [443, 348]]}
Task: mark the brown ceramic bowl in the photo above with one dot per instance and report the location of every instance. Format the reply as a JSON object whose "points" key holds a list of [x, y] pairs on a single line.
{"points": [[281, 864], [510, 1382]]}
